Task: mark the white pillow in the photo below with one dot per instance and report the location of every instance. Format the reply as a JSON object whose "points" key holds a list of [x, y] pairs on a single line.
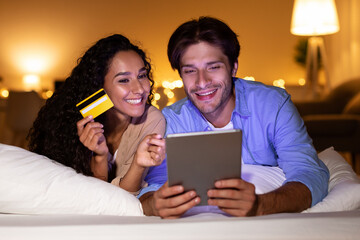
{"points": [[33, 184], [265, 178], [344, 185]]}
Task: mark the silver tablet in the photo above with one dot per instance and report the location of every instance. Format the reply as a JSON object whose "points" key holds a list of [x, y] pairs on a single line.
{"points": [[197, 159]]}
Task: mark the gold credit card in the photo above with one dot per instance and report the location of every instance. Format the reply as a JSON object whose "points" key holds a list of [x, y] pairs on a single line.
{"points": [[95, 105]]}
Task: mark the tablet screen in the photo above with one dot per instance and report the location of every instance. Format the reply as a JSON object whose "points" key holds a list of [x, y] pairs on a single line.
{"points": [[196, 160]]}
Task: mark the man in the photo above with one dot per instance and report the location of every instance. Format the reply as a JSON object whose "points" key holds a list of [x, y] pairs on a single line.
{"points": [[205, 53]]}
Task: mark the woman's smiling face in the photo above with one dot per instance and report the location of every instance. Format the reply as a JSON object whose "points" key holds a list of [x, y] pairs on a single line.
{"points": [[127, 84]]}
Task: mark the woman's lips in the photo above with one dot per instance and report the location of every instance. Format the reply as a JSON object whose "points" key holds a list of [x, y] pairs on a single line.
{"points": [[134, 101]]}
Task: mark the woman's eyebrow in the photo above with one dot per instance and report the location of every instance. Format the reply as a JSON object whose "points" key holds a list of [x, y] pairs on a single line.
{"points": [[142, 70], [122, 74]]}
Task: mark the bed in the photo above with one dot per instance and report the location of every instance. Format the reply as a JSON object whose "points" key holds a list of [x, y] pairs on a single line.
{"points": [[41, 199]]}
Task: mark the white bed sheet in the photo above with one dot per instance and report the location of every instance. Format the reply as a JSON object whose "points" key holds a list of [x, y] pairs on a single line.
{"points": [[329, 225]]}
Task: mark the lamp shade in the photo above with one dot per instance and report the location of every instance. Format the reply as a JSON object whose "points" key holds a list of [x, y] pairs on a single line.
{"points": [[314, 17]]}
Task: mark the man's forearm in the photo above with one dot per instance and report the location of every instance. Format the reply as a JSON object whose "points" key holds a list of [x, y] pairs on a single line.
{"points": [[291, 197]]}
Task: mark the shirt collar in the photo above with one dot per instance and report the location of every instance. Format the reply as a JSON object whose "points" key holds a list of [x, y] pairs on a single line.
{"points": [[198, 118], [240, 98]]}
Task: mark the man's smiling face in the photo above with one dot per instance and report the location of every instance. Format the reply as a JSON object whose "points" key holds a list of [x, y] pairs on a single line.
{"points": [[207, 77]]}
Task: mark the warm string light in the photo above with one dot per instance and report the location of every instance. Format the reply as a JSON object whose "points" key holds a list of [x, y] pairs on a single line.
{"points": [[302, 82], [4, 93], [168, 92], [157, 96], [249, 78], [46, 94], [279, 83]]}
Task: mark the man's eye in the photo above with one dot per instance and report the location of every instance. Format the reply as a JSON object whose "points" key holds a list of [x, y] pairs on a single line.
{"points": [[188, 71], [215, 67]]}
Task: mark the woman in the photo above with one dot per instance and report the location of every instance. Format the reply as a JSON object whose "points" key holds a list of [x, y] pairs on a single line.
{"points": [[128, 136]]}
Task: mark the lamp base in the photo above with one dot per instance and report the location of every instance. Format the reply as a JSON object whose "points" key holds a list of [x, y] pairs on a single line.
{"points": [[316, 49]]}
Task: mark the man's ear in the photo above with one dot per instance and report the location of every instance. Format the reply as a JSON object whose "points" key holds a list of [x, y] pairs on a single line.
{"points": [[235, 68]]}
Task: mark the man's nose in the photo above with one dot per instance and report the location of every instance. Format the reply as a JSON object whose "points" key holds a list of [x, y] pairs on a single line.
{"points": [[203, 79]]}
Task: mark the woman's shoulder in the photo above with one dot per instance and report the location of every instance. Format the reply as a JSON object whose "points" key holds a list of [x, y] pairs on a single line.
{"points": [[154, 113], [150, 122]]}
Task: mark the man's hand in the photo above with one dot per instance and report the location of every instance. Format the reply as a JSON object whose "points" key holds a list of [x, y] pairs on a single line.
{"points": [[237, 197], [234, 196], [169, 202]]}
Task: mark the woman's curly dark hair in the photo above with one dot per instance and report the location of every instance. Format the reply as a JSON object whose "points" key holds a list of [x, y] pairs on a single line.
{"points": [[54, 132]]}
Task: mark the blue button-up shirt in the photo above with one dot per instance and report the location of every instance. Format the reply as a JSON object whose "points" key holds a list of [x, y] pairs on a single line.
{"points": [[274, 134]]}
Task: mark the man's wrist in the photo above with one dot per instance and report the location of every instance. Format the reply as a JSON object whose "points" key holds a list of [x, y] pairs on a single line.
{"points": [[291, 197], [147, 202], [265, 204], [255, 210]]}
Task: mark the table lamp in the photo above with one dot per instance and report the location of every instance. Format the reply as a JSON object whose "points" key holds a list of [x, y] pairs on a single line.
{"points": [[315, 18]]}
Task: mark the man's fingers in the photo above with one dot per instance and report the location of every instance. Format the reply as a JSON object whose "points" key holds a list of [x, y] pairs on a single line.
{"points": [[179, 200], [176, 203], [234, 196], [230, 203], [225, 193], [235, 212], [176, 212], [172, 202], [235, 207], [232, 183], [165, 191]]}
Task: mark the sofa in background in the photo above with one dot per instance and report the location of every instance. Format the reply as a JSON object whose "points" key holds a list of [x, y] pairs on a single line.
{"points": [[335, 119]]}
